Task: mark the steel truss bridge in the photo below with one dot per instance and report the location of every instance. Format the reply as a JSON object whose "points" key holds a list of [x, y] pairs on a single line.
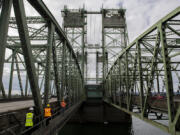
{"points": [[45, 59]]}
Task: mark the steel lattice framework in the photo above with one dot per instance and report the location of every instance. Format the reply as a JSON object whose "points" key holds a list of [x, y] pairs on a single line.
{"points": [[114, 36], [150, 60], [41, 52], [74, 23], [43, 63]]}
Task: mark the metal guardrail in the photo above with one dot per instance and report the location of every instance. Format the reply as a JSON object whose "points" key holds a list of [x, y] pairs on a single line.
{"points": [[40, 123]]}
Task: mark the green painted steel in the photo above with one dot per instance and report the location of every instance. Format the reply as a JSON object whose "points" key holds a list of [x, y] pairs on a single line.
{"points": [[4, 22], [151, 60], [25, 44], [52, 66], [48, 62], [42, 55]]}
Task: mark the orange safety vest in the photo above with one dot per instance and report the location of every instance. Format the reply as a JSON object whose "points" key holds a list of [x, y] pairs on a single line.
{"points": [[63, 104], [47, 112]]}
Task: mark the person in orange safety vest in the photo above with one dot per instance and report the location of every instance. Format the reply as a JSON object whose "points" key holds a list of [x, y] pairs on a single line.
{"points": [[47, 113], [63, 103]]}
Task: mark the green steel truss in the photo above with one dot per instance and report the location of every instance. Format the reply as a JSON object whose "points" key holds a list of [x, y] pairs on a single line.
{"points": [[114, 36], [43, 62], [75, 27], [39, 56], [149, 66]]}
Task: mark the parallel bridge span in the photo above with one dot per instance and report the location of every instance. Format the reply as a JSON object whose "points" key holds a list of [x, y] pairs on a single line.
{"points": [[135, 77]]}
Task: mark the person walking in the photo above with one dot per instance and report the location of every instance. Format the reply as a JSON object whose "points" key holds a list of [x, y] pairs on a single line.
{"points": [[47, 113], [29, 120], [63, 105]]}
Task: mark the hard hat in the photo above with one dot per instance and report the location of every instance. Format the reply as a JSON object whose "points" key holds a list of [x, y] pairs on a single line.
{"points": [[48, 105], [31, 108]]}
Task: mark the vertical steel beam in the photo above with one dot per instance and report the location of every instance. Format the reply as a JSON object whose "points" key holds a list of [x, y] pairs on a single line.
{"points": [[4, 23], [108, 86], [11, 74], [127, 79], [86, 55], [140, 77], [63, 69], [157, 80], [70, 75], [168, 78], [126, 71], [26, 85], [106, 61], [97, 71], [28, 57], [56, 73], [120, 82], [82, 56], [105, 93], [103, 45], [48, 62], [19, 76]]}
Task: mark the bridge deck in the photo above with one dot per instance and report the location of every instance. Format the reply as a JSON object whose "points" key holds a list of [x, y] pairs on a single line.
{"points": [[17, 105]]}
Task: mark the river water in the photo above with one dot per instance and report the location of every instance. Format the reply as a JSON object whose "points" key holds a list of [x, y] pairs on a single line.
{"points": [[138, 127]]}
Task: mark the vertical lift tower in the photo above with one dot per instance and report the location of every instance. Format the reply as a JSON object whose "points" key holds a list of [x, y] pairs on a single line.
{"points": [[75, 26], [114, 36]]}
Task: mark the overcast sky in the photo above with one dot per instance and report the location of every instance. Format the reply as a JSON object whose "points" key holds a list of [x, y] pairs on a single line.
{"points": [[140, 14]]}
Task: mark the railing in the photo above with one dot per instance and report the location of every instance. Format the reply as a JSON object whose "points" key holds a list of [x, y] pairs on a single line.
{"points": [[149, 66], [38, 121]]}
